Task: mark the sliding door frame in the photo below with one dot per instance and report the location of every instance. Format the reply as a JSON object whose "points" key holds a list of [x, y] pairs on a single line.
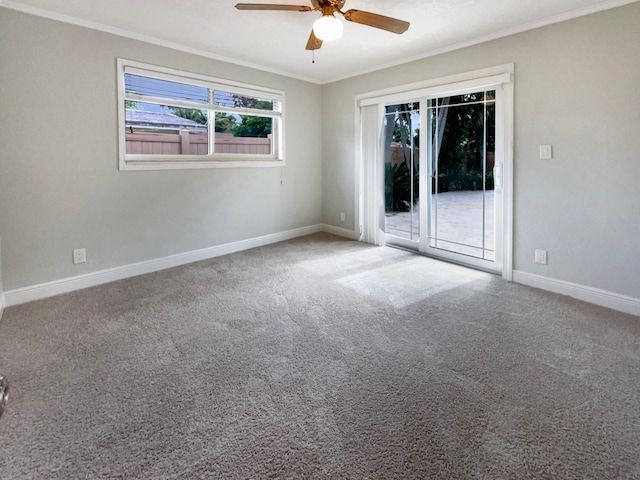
{"points": [[369, 138]]}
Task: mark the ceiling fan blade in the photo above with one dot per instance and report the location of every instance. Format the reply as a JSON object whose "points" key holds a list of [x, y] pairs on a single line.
{"points": [[314, 42], [378, 21], [266, 6]]}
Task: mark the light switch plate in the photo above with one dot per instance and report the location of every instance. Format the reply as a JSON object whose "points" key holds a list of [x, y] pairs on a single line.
{"points": [[545, 152]]}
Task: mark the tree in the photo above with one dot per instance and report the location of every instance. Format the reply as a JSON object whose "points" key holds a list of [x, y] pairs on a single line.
{"points": [[401, 179], [226, 123], [252, 126], [250, 102], [400, 128], [131, 104], [197, 116], [461, 162]]}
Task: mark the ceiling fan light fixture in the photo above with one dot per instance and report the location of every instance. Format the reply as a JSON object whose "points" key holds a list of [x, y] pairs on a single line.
{"points": [[328, 28]]}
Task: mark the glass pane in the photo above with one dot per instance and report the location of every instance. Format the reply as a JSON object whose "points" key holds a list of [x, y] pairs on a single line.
{"points": [[463, 138], [243, 134], [402, 209], [164, 89], [161, 130], [228, 99], [467, 98]]}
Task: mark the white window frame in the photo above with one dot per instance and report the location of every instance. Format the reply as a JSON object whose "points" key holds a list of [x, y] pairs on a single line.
{"points": [[212, 160]]}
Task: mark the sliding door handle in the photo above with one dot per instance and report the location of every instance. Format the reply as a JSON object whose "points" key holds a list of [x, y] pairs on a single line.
{"points": [[497, 176]]}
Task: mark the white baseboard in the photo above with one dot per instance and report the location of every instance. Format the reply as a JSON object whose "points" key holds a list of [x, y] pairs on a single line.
{"points": [[65, 285], [341, 232], [596, 296], [18, 296]]}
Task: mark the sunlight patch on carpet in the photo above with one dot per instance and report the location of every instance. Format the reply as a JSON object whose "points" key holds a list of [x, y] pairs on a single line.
{"points": [[388, 283]]}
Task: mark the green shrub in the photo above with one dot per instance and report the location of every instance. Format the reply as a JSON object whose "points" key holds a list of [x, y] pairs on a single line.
{"points": [[397, 187], [458, 179]]}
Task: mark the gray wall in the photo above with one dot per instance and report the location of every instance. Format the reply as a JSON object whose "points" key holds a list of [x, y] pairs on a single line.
{"points": [[576, 87], [60, 187]]}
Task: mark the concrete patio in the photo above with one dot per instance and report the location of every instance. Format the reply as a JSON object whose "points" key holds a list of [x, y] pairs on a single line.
{"points": [[457, 223]]}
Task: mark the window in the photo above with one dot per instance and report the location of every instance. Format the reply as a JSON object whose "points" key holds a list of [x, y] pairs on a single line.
{"points": [[172, 119]]}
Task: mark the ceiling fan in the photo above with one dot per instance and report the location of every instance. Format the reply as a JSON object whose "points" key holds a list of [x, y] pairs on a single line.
{"points": [[328, 27]]}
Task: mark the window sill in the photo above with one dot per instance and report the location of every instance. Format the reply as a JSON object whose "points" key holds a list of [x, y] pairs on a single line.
{"points": [[171, 163]]}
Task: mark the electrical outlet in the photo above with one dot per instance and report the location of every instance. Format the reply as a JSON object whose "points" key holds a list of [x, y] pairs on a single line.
{"points": [[545, 152], [343, 217], [541, 257], [79, 255]]}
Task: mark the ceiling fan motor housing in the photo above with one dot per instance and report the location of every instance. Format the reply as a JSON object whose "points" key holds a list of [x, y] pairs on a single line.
{"points": [[319, 4]]}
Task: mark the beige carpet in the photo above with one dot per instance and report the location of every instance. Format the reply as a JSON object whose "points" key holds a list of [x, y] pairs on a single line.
{"points": [[319, 358]]}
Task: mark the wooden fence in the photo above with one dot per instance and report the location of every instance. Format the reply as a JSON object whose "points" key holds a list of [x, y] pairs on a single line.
{"points": [[395, 155], [190, 143]]}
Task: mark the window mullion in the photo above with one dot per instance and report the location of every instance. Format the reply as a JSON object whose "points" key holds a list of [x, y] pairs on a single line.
{"points": [[211, 115]]}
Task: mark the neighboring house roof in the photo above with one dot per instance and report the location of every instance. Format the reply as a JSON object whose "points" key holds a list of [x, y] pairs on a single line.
{"points": [[143, 118]]}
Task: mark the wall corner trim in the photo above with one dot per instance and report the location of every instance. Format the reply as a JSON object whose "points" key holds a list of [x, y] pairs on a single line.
{"points": [[603, 298], [2, 304], [70, 284]]}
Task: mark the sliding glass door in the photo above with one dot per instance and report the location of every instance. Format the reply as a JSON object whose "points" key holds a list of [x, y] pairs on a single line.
{"points": [[458, 217]]}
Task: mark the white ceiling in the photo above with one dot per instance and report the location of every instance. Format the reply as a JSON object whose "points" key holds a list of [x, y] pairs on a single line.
{"points": [[275, 40]]}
